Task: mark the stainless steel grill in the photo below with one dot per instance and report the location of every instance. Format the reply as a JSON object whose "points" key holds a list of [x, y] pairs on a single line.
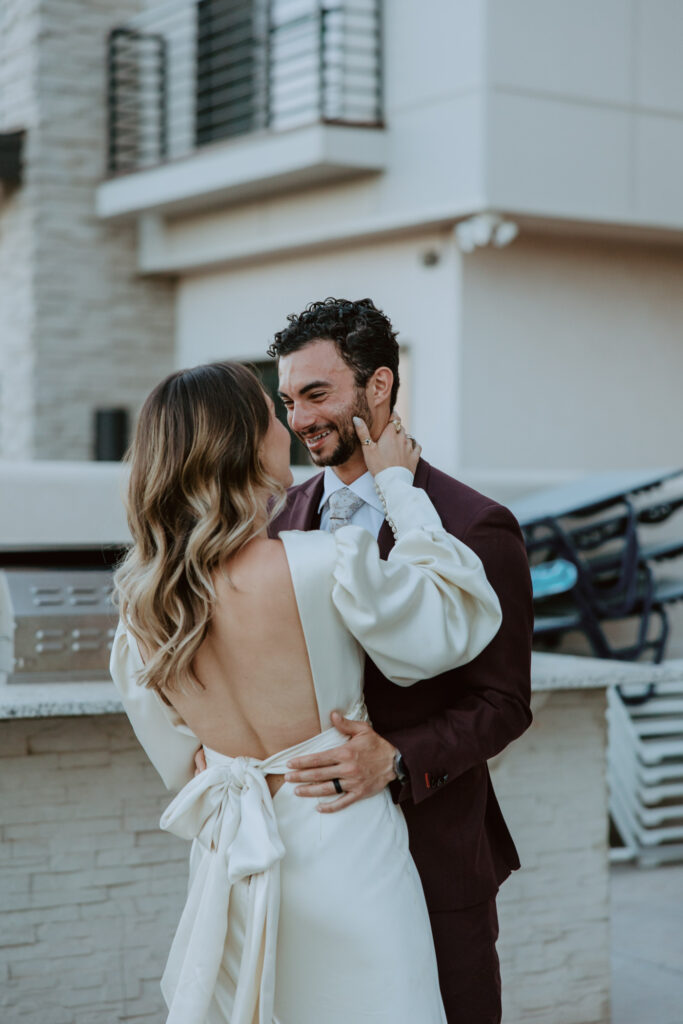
{"points": [[56, 625], [62, 530]]}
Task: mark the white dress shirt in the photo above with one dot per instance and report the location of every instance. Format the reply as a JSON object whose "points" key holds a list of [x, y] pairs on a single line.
{"points": [[370, 515]]}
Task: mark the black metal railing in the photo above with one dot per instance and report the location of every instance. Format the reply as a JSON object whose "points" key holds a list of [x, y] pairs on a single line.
{"points": [[193, 72], [136, 97]]}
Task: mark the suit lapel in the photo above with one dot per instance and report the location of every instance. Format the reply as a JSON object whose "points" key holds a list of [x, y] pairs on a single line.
{"points": [[422, 475], [304, 513]]}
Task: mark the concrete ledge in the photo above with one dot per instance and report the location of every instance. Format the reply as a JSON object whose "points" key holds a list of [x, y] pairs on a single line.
{"points": [[247, 168], [554, 912], [54, 700], [571, 672]]}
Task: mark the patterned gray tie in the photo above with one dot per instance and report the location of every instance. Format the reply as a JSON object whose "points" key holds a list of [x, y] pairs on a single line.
{"points": [[342, 504]]}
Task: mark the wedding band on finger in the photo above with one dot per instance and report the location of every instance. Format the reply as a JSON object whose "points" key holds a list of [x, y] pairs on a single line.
{"points": [[397, 424], [337, 785]]}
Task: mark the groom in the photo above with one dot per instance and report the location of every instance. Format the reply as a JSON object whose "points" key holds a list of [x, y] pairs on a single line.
{"points": [[430, 742]]}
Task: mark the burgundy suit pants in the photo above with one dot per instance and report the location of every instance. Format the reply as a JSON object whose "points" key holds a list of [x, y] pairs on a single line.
{"points": [[469, 972]]}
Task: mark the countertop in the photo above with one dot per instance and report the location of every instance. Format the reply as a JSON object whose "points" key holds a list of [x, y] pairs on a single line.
{"points": [[548, 672]]}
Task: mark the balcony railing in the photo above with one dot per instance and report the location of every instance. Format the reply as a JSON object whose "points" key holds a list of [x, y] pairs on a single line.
{"points": [[187, 73]]}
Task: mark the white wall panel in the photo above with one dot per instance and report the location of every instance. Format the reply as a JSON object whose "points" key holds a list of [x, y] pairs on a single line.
{"points": [[659, 40], [433, 49], [555, 158], [578, 49], [659, 168], [234, 315], [572, 357]]}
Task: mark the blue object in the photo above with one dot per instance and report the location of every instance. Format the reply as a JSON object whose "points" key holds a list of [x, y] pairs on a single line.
{"points": [[550, 578]]}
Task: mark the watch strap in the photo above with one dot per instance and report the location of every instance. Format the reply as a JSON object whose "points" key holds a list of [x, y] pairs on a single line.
{"points": [[400, 768]]}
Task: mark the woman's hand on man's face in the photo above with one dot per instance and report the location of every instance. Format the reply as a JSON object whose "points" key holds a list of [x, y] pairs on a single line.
{"points": [[392, 448]]}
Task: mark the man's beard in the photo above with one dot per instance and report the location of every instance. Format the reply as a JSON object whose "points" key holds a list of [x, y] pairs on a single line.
{"points": [[347, 438]]}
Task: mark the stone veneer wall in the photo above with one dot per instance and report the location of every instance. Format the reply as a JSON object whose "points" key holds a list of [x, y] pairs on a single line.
{"points": [[554, 912], [91, 890], [19, 30], [78, 328]]}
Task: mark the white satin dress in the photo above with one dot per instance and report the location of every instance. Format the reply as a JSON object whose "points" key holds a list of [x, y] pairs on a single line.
{"points": [[294, 917]]}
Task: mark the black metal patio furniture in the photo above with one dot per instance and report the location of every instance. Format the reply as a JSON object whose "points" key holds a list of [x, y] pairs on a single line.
{"points": [[593, 525]]}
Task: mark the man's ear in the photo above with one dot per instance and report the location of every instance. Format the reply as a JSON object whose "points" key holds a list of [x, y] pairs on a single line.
{"points": [[379, 386]]}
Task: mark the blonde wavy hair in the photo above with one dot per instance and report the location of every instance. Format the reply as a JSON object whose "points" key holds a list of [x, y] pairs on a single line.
{"points": [[198, 492]]}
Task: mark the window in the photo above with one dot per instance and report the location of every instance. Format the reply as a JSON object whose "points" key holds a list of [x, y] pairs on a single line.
{"points": [[227, 69], [267, 371]]}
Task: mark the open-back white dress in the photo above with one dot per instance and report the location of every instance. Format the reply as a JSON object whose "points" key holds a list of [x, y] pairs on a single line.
{"points": [[292, 916]]}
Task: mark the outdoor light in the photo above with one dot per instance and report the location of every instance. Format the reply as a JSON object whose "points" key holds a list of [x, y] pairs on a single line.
{"points": [[485, 229], [505, 232]]}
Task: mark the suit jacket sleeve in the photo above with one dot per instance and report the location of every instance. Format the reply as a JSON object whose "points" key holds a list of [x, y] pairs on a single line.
{"points": [[491, 695]]}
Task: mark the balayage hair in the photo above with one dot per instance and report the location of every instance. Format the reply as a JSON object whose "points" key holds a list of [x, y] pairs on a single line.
{"points": [[198, 492]]}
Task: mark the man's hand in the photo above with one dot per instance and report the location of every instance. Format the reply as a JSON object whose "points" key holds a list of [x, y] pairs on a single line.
{"points": [[364, 766], [199, 761]]}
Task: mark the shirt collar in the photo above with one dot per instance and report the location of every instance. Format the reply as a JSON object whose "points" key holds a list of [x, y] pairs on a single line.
{"points": [[364, 487]]}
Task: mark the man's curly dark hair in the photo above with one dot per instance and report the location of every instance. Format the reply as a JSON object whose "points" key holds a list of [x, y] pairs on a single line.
{"points": [[362, 334]]}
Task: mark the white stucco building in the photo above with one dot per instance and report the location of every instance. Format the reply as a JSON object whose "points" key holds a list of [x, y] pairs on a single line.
{"points": [[557, 353]]}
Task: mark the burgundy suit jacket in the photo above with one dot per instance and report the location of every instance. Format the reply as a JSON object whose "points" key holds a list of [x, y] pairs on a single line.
{"points": [[447, 727]]}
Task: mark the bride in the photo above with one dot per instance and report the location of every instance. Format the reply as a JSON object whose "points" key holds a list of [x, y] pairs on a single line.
{"points": [[246, 645]]}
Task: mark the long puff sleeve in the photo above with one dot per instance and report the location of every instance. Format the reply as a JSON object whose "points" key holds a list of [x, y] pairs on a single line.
{"points": [[428, 607], [168, 742]]}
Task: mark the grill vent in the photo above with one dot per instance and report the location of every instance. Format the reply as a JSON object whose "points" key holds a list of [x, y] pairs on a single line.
{"points": [[56, 625]]}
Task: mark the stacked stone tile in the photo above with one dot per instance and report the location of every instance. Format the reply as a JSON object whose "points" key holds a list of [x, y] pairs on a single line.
{"points": [[91, 890], [79, 328]]}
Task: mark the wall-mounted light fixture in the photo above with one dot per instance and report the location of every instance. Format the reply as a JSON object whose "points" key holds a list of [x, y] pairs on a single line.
{"points": [[485, 229]]}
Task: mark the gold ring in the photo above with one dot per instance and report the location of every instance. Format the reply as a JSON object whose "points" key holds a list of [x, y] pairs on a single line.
{"points": [[397, 424]]}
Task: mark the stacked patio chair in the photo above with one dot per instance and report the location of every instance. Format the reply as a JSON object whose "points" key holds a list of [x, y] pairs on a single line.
{"points": [[645, 774], [594, 527], [592, 568]]}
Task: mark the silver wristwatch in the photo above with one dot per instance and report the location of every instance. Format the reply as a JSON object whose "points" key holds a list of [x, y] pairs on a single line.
{"points": [[400, 769]]}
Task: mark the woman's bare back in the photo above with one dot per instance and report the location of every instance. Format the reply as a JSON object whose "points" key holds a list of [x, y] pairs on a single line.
{"points": [[258, 695]]}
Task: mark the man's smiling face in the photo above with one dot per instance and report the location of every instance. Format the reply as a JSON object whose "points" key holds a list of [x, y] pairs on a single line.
{"points": [[321, 396]]}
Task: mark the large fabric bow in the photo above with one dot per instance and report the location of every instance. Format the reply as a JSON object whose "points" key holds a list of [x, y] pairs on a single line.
{"points": [[228, 810]]}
